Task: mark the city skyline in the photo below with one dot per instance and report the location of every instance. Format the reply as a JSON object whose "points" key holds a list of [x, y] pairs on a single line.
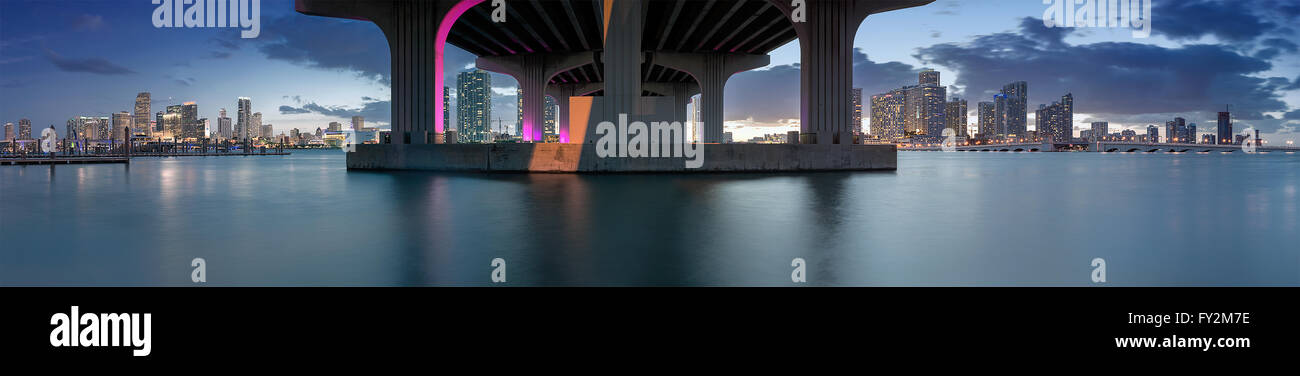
{"points": [[1250, 63]]}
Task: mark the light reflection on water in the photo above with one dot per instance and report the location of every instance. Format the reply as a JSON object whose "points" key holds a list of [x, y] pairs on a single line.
{"points": [[941, 219]]}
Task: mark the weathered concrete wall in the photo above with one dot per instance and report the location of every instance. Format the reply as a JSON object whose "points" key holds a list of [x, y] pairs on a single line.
{"points": [[582, 158]]}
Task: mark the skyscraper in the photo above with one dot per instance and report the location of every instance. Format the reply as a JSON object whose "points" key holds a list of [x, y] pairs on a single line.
{"points": [[1225, 128], [189, 121], [140, 124], [24, 129], [1191, 133], [224, 129], [1176, 130], [1153, 133], [988, 124], [474, 106], [359, 122], [856, 125], [549, 125], [887, 114], [1100, 130], [9, 131], [255, 125], [1055, 122], [446, 108], [1012, 109], [243, 118], [122, 121], [923, 114], [955, 116]]}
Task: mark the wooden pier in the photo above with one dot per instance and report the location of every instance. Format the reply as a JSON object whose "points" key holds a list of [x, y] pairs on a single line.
{"points": [[61, 160]]}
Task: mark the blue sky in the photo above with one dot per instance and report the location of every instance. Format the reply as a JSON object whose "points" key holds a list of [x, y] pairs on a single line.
{"points": [[60, 59]]}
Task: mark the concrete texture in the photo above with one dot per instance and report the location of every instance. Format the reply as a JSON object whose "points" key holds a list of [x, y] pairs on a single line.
{"points": [[581, 158]]}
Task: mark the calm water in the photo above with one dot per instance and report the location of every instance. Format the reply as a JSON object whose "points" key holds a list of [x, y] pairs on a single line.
{"points": [[941, 219]]}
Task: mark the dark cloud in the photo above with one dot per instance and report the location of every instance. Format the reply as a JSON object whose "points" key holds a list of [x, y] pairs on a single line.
{"points": [[1295, 85], [288, 110], [772, 94], [1234, 20], [328, 43], [87, 65], [1111, 78], [376, 111]]}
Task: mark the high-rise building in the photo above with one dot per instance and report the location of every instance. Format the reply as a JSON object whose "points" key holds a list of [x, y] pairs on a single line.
{"points": [[243, 118], [923, 114], [474, 106], [224, 130], [856, 125], [122, 121], [267, 131], [255, 126], [446, 108], [549, 125], [158, 124], [1176, 130], [955, 116], [1191, 133], [1012, 105], [9, 131], [359, 123], [205, 128], [334, 126], [24, 129], [1100, 130], [988, 124], [1055, 122], [172, 124], [1225, 128], [140, 123], [887, 114], [189, 121], [1153, 133]]}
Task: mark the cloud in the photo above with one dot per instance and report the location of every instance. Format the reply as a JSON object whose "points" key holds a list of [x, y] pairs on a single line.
{"points": [[219, 54], [772, 95], [87, 65], [1111, 77], [374, 111], [87, 22], [288, 110], [1233, 21]]}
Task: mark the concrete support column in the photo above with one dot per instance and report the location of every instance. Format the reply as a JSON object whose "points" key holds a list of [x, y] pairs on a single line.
{"points": [[826, 71], [533, 71], [711, 71], [622, 56]]}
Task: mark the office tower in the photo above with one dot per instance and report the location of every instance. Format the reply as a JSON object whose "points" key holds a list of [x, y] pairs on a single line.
{"points": [[334, 126], [255, 126], [243, 118], [205, 128], [70, 130], [224, 130], [955, 116], [856, 125], [697, 118], [359, 123], [1055, 122], [549, 126], [1100, 130], [9, 131], [189, 121], [446, 108], [928, 77], [1012, 106], [172, 125], [1191, 133], [24, 129], [474, 106], [158, 123], [887, 114], [988, 124], [1153, 133], [1176, 130], [121, 121], [267, 131], [1225, 128], [140, 124], [923, 114]]}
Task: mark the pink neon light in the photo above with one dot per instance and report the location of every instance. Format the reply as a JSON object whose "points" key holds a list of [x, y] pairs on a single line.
{"points": [[444, 29]]}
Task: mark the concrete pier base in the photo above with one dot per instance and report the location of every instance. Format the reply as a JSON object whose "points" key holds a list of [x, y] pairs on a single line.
{"points": [[582, 158]]}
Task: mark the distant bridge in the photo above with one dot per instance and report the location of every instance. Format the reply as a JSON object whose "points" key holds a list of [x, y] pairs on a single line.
{"points": [[1147, 147]]}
